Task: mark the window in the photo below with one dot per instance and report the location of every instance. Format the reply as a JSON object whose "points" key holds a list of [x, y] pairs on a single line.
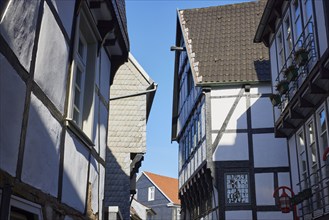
{"points": [[237, 188], [323, 139], [21, 209], [297, 24], [79, 76], [313, 163], [151, 192], [302, 159], [281, 58], [83, 75], [288, 42]]}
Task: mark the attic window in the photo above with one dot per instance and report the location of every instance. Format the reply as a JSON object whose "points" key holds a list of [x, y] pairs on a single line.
{"points": [[151, 192]]}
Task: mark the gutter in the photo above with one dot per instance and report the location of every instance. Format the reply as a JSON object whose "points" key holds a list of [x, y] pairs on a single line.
{"points": [[264, 21], [152, 88]]}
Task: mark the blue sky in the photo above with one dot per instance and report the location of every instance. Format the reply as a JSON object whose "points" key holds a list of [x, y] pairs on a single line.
{"points": [[152, 31]]}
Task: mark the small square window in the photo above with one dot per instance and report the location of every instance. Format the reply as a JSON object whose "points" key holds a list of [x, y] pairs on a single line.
{"points": [[151, 192]]}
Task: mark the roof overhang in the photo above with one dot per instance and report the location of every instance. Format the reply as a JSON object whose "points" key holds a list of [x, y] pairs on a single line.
{"points": [[272, 11]]}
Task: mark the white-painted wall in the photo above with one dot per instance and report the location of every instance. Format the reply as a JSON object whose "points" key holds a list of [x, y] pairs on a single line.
{"points": [[264, 185], [12, 100], [41, 155], [52, 58], [261, 111], [236, 215], [232, 147], [76, 158], [274, 216], [21, 40], [270, 151]]}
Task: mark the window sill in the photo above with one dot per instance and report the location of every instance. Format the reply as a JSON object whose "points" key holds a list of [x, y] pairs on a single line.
{"points": [[79, 132]]}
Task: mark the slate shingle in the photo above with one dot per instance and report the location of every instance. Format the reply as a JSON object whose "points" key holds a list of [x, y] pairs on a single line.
{"points": [[222, 40]]}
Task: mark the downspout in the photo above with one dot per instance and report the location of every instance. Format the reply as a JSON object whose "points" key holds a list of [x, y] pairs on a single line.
{"points": [[148, 90]]}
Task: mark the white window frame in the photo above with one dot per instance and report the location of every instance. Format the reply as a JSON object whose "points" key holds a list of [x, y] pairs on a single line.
{"points": [[151, 193], [86, 31], [26, 206], [80, 63], [314, 163]]}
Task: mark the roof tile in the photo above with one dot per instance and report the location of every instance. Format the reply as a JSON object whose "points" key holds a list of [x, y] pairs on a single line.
{"points": [[222, 40]]}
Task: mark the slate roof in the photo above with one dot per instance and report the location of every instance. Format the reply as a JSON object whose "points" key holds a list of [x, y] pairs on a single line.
{"points": [[219, 42], [167, 185]]}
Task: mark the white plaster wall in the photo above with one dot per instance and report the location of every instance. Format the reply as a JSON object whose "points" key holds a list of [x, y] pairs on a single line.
{"points": [[232, 146], [93, 179], [51, 61], [320, 20], [105, 75], [226, 91], [12, 99], [220, 108], [264, 185], [65, 10], [238, 215], [293, 163], [269, 151], [260, 89], [75, 183], [41, 155], [18, 28], [261, 113], [284, 179], [274, 216]]}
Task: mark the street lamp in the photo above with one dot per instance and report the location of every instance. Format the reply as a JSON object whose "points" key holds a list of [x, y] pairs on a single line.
{"points": [[284, 200]]}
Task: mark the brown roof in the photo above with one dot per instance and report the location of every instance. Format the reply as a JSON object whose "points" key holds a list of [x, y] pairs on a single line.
{"points": [[167, 185], [221, 41]]}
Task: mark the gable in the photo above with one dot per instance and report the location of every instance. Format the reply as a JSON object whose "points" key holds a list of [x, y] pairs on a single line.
{"points": [[219, 41]]}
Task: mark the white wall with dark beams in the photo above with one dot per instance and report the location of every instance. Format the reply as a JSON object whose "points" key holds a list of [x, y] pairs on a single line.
{"points": [[246, 151], [47, 160]]}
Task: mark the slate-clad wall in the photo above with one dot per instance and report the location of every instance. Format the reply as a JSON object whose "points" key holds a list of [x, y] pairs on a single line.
{"points": [[57, 170], [127, 134]]}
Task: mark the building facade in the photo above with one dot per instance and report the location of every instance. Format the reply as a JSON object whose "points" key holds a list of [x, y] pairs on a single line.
{"points": [[57, 61], [297, 33], [132, 94], [229, 160], [160, 194]]}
